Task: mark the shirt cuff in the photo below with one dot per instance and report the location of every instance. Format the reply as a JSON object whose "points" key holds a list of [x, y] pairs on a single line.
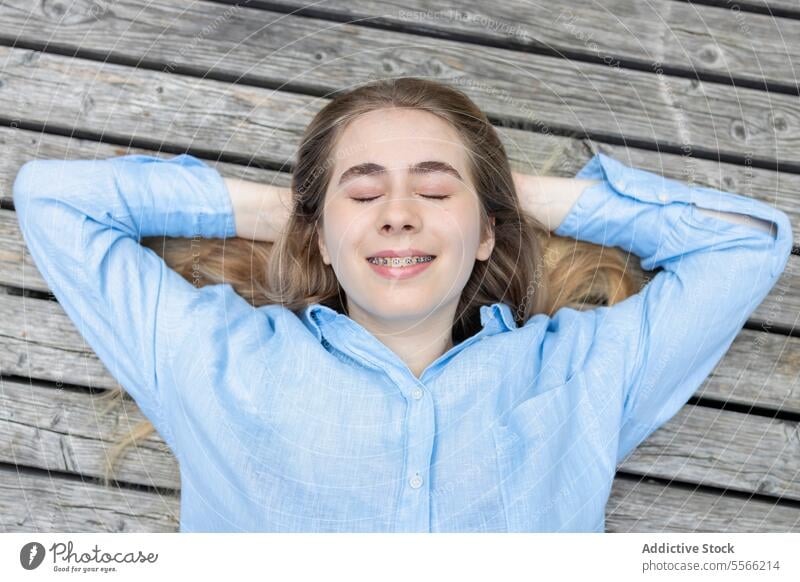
{"points": [[646, 213], [178, 197]]}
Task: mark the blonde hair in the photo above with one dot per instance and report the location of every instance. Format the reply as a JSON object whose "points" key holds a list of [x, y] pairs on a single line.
{"points": [[530, 269]]}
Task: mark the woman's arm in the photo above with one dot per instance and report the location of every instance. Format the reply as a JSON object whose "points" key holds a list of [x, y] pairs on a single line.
{"points": [[261, 210], [82, 220], [550, 198], [644, 357]]}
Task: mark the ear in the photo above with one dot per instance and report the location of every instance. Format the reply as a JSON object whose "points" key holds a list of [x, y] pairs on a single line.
{"points": [[323, 250], [487, 246]]}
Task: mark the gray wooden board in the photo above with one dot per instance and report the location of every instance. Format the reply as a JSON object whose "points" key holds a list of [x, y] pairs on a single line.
{"points": [[706, 40], [541, 91], [646, 506], [42, 503], [791, 7], [60, 429], [119, 103]]}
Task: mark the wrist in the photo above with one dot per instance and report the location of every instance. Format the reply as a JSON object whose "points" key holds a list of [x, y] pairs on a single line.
{"points": [[549, 199], [261, 211]]}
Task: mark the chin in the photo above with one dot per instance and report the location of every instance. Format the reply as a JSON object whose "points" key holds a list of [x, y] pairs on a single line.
{"points": [[403, 309]]}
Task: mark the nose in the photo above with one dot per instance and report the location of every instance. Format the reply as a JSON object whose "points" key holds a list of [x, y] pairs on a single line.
{"points": [[399, 213]]}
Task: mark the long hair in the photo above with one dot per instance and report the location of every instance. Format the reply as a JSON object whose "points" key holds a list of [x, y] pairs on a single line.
{"points": [[530, 269]]}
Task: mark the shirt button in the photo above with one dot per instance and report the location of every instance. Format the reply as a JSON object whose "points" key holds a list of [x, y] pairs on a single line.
{"points": [[417, 393], [415, 481], [663, 197]]}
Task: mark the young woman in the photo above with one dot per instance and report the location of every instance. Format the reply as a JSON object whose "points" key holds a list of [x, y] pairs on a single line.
{"points": [[400, 365]]}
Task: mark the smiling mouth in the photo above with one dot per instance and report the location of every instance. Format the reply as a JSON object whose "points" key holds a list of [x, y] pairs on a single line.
{"points": [[400, 261]]}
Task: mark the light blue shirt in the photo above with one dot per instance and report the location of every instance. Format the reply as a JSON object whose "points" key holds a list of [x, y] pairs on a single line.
{"points": [[288, 423]]}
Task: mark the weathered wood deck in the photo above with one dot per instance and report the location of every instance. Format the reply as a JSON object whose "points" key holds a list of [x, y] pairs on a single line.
{"points": [[698, 92]]}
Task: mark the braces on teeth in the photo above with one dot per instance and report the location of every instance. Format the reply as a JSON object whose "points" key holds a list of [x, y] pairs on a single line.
{"points": [[398, 261]]}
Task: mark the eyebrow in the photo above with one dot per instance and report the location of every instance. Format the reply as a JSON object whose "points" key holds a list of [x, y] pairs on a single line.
{"points": [[427, 167]]}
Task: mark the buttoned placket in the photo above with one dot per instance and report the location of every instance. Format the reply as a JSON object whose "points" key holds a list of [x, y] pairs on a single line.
{"points": [[414, 507], [414, 503]]}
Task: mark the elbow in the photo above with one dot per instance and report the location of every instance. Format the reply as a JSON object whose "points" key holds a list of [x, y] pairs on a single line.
{"points": [[27, 187], [34, 180], [24, 186], [783, 242], [35, 186]]}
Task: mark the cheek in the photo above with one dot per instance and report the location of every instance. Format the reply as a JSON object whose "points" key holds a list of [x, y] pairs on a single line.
{"points": [[344, 230], [461, 227]]}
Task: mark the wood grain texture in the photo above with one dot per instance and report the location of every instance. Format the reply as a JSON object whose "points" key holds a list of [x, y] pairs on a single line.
{"points": [[523, 88], [41, 503], [64, 430], [723, 41], [646, 506], [742, 452]]}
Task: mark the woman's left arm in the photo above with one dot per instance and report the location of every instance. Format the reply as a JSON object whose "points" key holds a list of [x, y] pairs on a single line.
{"points": [[550, 198], [642, 358]]}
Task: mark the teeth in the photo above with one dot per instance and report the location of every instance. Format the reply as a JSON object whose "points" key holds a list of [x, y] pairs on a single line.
{"points": [[399, 261]]}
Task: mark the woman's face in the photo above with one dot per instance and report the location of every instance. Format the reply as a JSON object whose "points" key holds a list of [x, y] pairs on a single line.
{"points": [[400, 183]]}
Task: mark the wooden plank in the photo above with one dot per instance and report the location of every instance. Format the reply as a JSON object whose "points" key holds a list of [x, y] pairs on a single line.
{"points": [[721, 41], [120, 104], [531, 89], [759, 369], [785, 8], [146, 106], [647, 506], [58, 505], [742, 452], [65, 430], [41, 503]]}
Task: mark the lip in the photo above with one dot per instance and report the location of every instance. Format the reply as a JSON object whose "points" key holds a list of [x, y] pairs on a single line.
{"points": [[400, 273], [402, 253]]}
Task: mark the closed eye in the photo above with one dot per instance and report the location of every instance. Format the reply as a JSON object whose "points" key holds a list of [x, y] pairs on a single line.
{"points": [[429, 196]]}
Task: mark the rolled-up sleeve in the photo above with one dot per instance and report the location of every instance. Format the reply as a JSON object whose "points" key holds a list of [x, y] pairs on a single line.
{"points": [[651, 352], [81, 221]]}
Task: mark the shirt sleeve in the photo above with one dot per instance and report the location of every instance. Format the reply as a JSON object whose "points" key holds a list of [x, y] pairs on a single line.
{"points": [[81, 221], [652, 351]]}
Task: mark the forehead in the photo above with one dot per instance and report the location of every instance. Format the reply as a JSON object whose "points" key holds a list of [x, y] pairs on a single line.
{"points": [[398, 138]]}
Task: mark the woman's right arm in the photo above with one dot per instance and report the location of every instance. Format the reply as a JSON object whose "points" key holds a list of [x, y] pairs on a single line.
{"points": [[261, 210], [81, 221]]}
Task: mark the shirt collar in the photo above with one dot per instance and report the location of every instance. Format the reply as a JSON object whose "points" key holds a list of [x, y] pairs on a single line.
{"points": [[315, 316], [495, 318], [332, 328]]}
